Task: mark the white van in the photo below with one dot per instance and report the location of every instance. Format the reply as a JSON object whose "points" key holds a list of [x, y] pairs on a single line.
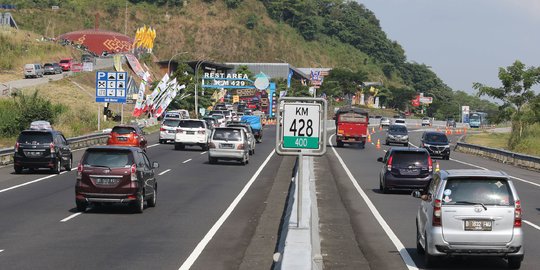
{"points": [[33, 70]]}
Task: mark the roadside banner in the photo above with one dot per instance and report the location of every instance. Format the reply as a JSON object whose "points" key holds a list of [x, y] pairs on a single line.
{"points": [[137, 111], [163, 106], [135, 65], [159, 89], [118, 62]]}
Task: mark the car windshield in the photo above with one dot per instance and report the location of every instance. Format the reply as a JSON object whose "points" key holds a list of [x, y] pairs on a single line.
{"points": [[397, 130], [425, 118], [48, 65], [477, 191], [191, 124], [35, 138], [218, 116], [227, 134], [108, 158], [404, 158], [171, 123], [401, 121], [122, 130], [440, 138]]}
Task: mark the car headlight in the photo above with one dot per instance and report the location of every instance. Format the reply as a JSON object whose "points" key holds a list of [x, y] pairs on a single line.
{"points": [[406, 137], [426, 145], [390, 136]]}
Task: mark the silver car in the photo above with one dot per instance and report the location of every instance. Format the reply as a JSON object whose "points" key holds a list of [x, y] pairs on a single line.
{"points": [[230, 143], [470, 213], [385, 121], [167, 131], [249, 132]]}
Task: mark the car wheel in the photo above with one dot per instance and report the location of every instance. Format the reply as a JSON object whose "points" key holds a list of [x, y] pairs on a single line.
{"points": [[18, 169], [69, 164], [383, 188], [514, 262], [178, 146], [419, 249], [339, 144], [58, 167], [204, 147], [138, 205], [447, 157], [153, 200], [161, 141], [212, 160], [81, 206], [429, 260]]}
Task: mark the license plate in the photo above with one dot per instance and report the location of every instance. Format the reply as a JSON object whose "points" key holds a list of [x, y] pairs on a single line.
{"points": [[106, 181], [190, 132], [409, 171], [122, 139], [478, 225], [33, 153], [171, 131], [227, 145]]}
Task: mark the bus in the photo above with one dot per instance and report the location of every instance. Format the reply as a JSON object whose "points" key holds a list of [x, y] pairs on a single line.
{"points": [[477, 119]]}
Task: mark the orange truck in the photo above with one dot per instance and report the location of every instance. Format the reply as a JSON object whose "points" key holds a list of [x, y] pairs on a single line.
{"points": [[351, 126]]}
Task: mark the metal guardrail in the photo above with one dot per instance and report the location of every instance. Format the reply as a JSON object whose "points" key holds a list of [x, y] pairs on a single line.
{"points": [[503, 156]]}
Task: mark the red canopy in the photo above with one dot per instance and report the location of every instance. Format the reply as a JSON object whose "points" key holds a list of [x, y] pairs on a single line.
{"points": [[99, 41]]}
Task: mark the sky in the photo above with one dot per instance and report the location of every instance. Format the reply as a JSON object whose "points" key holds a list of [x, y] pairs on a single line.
{"points": [[464, 41]]}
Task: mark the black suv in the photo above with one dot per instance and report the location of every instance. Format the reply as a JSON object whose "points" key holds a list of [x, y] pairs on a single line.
{"points": [[42, 149], [436, 143], [405, 168]]}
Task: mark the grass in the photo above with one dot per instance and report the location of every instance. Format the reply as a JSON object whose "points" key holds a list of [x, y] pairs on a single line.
{"points": [[529, 144], [493, 140]]}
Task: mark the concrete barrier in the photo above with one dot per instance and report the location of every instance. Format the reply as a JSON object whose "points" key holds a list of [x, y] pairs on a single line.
{"points": [[503, 156]]}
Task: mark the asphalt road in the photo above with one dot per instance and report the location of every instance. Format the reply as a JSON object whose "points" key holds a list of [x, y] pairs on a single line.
{"points": [[40, 228], [398, 209]]}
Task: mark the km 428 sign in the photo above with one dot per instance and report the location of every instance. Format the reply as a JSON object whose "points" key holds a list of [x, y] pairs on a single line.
{"points": [[301, 125]]}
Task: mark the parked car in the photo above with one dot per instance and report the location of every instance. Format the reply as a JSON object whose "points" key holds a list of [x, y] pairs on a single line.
{"points": [[405, 168], [400, 121], [436, 143], [351, 126], [228, 144], [426, 121], [450, 122], [385, 121], [249, 132], [52, 68], [470, 213], [167, 131], [127, 135], [116, 174], [42, 148], [192, 132], [397, 134], [66, 64], [33, 71]]}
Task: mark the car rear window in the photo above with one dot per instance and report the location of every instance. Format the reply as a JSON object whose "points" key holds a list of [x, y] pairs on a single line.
{"points": [[48, 65], [123, 130], [227, 134], [437, 138], [110, 158], [218, 116], [398, 129], [400, 121], [35, 137], [171, 123], [410, 158], [353, 117], [191, 124], [173, 115], [64, 61], [477, 191]]}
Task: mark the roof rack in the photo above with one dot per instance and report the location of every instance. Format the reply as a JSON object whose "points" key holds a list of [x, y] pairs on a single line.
{"points": [[40, 125]]}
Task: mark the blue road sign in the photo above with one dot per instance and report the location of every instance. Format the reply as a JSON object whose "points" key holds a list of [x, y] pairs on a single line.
{"points": [[111, 86]]}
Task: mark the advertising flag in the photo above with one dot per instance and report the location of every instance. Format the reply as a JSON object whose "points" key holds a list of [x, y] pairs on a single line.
{"points": [[289, 77]]}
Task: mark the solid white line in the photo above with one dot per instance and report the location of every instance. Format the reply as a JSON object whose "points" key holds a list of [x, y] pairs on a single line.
{"points": [[203, 153], [70, 217], [186, 161], [153, 145], [164, 172], [397, 243], [200, 247], [532, 224], [28, 183]]}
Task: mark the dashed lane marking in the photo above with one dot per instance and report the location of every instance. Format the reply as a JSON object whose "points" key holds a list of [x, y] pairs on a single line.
{"points": [[532, 224], [70, 217], [164, 172], [28, 183], [203, 153], [186, 161], [153, 145]]}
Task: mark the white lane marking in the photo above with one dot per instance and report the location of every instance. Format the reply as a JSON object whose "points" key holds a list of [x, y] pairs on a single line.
{"points": [[28, 183], [203, 153], [186, 161], [1, 250], [397, 243], [153, 145], [532, 224], [70, 217], [164, 172], [200, 247]]}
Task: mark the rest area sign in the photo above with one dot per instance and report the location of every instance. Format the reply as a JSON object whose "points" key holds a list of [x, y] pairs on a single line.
{"points": [[111, 87]]}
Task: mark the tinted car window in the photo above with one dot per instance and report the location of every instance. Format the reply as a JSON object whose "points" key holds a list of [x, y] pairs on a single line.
{"points": [[398, 130], [191, 124], [123, 130], [112, 159], [486, 191], [171, 123], [436, 138], [47, 65], [64, 61], [227, 134], [35, 137], [410, 158]]}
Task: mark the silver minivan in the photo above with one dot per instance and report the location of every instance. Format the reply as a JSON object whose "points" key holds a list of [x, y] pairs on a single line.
{"points": [[470, 213], [230, 143], [33, 70]]}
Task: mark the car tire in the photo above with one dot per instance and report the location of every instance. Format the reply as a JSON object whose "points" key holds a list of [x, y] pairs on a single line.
{"points": [[419, 249], [58, 167], [212, 160], [81, 206], [339, 144], [138, 205], [161, 141], [179, 146], [406, 144], [514, 262], [153, 200], [447, 157], [429, 260], [69, 164], [383, 188], [18, 169], [386, 143], [204, 147]]}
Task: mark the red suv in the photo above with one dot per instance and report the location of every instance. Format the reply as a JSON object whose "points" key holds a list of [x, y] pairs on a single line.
{"points": [[127, 135], [116, 174], [66, 64]]}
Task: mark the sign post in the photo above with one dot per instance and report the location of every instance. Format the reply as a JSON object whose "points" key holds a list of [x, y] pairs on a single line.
{"points": [[111, 87], [301, 132]]}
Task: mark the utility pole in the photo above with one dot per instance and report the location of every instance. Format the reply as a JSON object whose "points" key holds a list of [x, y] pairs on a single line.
{"points": [[126, 17]]}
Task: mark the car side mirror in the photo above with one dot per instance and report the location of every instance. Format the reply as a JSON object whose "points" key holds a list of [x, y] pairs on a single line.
{"points": [[380, 159], [155, 165]]}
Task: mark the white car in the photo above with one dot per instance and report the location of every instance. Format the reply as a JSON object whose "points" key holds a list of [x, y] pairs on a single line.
{"points": [[192, 132], [167, 131], [400, 122], [426, 121], [220, 118], [385, 122], [230, 143]]}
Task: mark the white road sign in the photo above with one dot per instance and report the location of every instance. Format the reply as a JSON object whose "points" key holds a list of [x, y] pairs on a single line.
{"points": [[301, 125]]}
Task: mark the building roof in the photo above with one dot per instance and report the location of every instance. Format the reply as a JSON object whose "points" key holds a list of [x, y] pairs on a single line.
{"points": [[98, 41]]}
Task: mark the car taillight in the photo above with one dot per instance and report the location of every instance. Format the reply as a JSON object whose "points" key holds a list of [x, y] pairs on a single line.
{"points": [[517, 214], [179, 130], [17, 147], [162, 129], [133, 172], [240, 146], [211, 145], [201, 131], [389, 165], [80, 170], [430, 164], [51, 147], [437, 213]]}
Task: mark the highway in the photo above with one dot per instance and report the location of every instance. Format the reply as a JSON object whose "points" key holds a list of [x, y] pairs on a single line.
{"points": [[394, 247], [204, 218]]}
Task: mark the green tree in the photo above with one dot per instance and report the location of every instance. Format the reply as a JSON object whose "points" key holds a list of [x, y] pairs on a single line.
{"points": [[515, 94]]}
